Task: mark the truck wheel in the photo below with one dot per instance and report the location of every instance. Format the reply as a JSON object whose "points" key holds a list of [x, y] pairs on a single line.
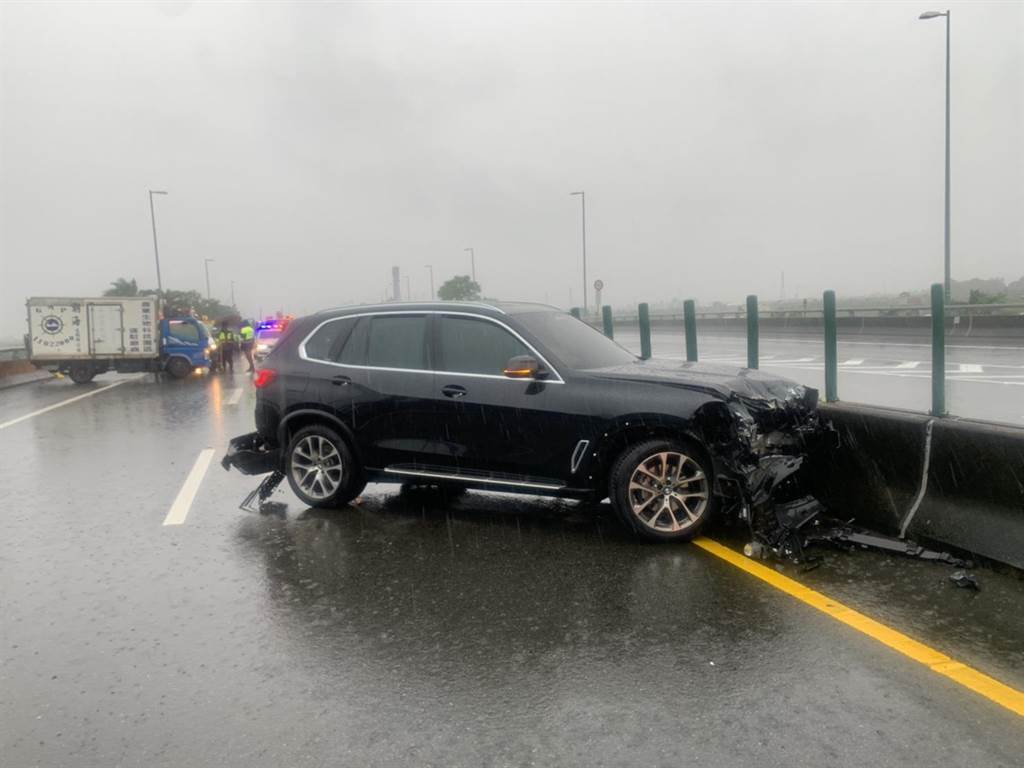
{"points": [[662, 489], [321, 469], [81, 373], [179, 367]]}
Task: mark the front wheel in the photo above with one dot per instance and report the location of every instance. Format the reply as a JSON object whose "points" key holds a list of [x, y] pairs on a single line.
{"points": [[662, 489], [179, 367], [321, 469]]}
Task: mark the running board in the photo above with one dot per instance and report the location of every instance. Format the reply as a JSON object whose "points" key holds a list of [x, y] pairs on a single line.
{"points": [[463, 478]]}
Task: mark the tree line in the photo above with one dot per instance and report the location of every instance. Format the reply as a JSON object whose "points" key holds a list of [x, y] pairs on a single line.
{"points": [[176, 303]]}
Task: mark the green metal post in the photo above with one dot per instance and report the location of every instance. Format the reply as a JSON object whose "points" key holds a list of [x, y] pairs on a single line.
{"points": [[645, 331], [831, 348], [606, 319], [690, 323], [575, 312], [752, 331], [938, 350]]}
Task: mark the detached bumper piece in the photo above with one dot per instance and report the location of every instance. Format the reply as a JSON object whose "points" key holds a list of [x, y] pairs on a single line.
{"points": [[251, 455]]}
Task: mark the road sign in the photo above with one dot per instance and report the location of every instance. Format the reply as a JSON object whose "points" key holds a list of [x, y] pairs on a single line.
{"points": [[599, 285]]}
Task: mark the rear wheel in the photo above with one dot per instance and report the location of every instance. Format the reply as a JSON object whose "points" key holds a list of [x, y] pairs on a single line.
{"points": [[321, 469], [81, 373], [179, 367], [662, 489]]}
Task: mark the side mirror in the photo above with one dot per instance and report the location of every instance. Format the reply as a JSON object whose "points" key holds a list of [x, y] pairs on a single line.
{"points": [[524, 367]]}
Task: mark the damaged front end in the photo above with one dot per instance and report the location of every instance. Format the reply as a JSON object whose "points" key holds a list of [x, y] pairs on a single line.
{"points": [[764, 446], [766, 460]]}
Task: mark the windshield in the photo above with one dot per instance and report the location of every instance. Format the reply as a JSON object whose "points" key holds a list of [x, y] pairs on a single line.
{"points": [[577, 344]]}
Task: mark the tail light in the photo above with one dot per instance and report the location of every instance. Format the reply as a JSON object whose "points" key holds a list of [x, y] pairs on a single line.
{"points": [[264, 378]]}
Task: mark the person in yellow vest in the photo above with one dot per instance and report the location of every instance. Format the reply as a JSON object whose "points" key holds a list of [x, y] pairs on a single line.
{"points": [[248, 336], [226, 342]]}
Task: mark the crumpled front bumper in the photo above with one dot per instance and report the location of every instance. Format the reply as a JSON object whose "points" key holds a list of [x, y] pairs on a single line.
{"points": [[250, 454]]}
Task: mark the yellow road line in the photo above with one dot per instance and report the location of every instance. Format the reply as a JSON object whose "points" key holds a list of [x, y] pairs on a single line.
{"points": [[937, 662]]}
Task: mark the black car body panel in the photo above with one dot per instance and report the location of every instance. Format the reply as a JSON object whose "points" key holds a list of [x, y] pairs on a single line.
{"points": [[558, 433]]}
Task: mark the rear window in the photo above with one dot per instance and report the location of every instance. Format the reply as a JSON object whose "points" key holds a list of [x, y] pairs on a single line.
{"points": [[270, 333], [326, 343], [397, 341]]}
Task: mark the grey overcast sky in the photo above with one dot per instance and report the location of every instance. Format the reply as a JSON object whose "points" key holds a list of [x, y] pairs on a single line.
{"points": [[308, 147]]}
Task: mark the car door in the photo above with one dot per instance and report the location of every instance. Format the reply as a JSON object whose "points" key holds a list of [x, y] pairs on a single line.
{"points": [[379, 383], [511, 429]]}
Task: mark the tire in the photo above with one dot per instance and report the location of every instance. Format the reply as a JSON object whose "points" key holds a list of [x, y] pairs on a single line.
{"points": [[662, 489], [179, 367], [321, 469], [81, 373]]}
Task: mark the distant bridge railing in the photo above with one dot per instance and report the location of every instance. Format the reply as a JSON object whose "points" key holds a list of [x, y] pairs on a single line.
{"points": [[13, 353], [827, 319], [952, 310]]}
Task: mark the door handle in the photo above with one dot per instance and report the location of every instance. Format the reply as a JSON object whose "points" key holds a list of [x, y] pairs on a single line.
{"points": [[341, 381], [453, 390]]}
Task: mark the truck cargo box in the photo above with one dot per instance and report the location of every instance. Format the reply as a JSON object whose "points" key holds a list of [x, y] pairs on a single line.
{"points": [[82, 328]]}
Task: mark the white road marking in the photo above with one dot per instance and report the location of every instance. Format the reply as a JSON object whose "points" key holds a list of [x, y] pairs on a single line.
{"points": [[970, 368], [183, 503], [853, 362], [62, 403], [911, 364], [236, 395]]}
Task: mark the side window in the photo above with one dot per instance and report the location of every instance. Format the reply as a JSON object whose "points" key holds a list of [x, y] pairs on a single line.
{"points": [[326, 342], [397, 341], [354, 351], [476, 346]]}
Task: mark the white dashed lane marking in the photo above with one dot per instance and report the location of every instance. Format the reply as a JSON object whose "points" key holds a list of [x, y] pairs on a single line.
{"points": [[183, 503], [235, 396], [62, 403]]}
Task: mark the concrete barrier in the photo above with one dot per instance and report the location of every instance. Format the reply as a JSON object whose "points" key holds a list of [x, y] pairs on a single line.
{"points": [[956, 482]]}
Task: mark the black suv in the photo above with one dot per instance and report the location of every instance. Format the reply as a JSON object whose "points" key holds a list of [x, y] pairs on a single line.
{"points": [[521, 398]]}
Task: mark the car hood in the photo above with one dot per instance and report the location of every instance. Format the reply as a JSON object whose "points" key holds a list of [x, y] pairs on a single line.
{"points": [[726, 382]]}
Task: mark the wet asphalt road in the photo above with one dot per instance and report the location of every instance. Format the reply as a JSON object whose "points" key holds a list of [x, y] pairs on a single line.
{"points": [[415, 629], [983, 381]]}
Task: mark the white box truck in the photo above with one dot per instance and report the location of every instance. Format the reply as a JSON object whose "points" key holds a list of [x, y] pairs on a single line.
{"points": [[84, 337]]}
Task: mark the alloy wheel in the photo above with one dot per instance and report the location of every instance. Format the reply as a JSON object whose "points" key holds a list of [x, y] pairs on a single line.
{"points": [[668, 492], [316, 466]]}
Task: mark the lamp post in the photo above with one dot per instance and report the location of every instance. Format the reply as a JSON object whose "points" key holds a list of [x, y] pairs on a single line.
{"points": [[233, 294], [934, 15], [583, 209], [156, 250], [431, 268], [207, 265], [472, 262]]}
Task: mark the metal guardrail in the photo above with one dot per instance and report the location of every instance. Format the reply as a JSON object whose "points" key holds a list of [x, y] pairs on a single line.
{"points": [[13, 353], [937, 311], [951, 310]]}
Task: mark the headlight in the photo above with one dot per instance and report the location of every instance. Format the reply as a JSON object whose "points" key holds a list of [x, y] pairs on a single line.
{"points": [[262, 347], [213, 345]]}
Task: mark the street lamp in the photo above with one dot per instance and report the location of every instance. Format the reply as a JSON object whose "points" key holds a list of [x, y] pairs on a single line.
{"points": [[207, 265], [935, 15], [431, 268], [156, 250], [233, 295], [583, 203], [472, 261]]}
